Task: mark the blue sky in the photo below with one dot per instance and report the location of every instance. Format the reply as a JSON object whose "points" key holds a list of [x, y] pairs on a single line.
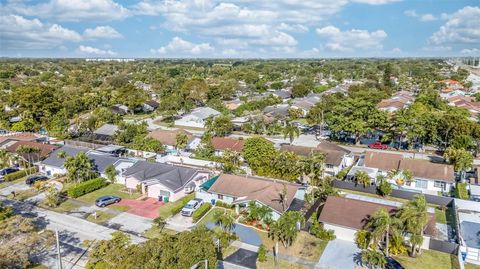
{"points": [[239, 28]]}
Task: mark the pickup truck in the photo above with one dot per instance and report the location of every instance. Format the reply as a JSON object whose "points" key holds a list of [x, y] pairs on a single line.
{"points": [[191, 207], [378, 145]]}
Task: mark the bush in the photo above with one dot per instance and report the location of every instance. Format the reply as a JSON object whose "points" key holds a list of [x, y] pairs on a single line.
{"points": [[461, 191], [181, 203], [20, 174], [198, 214], [224, 205], [88, 186], [262, 253], [343, 173], [319, 231]]}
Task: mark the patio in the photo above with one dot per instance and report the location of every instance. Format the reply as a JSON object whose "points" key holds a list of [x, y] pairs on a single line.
{"points": [[147, 208]]}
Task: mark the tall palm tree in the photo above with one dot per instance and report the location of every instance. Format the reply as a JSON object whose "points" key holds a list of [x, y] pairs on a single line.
{"points": [[224, 220], [291, 131], [181, 140], [29, 154], [381, 225], [363, 178], [414, 217], [373, 258], [313, 167], [5, 158]]}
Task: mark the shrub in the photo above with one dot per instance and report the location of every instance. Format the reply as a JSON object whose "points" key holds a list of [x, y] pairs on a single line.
{"points": [[262, 253], [198, 214], [384, 188], [88, 186], [5, 212], [319, 231], [224, 205], [181, 203], [461, 191], [343, 173], [20, 174]]}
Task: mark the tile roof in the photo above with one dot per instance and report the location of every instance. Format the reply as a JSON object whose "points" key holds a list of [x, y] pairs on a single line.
{"points": [[167, 137], [19, 137], [45, 149], [54, 160], [170, 176], [333, 157], [265, 191], [429, 170], [382, 160], [352, 213], [222, 143]]}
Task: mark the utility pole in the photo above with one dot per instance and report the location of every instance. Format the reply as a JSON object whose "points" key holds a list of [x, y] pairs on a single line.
{"points": [[59, 256]]}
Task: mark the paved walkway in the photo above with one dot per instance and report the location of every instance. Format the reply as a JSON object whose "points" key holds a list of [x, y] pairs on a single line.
{"points": [[245, 234]]}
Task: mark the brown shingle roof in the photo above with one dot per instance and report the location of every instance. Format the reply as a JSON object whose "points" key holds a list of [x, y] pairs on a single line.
{"points": [[382, 160], [222, 143], [265, 191], [168, 137], [429, 170], [20, 137], [45, 149], [354, 214], [333, 157]]}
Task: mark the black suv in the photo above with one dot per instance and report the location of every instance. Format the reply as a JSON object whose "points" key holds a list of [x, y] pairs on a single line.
{"points": [[6, 171], [32, 179]]}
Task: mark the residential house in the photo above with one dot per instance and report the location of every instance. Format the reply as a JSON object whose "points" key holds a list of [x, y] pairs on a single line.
{"points": [[120, 109], [53, 165], [240, 190], [428, 177], [345, 216], [163, 181], [44, 150], [150, 106], [233, 104], [276, 112], [467, 102], [399, 100], [221, 144], [105, 132], [450, 85], [169, 138], [8, 139], [197, 117], [283, 94]]}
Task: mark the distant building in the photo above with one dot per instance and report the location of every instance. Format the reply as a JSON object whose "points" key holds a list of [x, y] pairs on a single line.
{"points": [[197, 117]]}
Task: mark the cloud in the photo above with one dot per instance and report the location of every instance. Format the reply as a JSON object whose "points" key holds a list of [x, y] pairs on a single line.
{"points": [[18, 32], [344, 41], [95, 51], [295, 28], [101, 32], [473, 51], [70, 10], [396, 50], [461, 27], [422, 17], [437, 48], [375, 2], [178, 46]]}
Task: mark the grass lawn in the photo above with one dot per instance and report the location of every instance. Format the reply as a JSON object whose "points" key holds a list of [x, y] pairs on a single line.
{"points": [[209, 216], [155, 232], [5, 184], [306, 247], [270, 264], [440, 216], [101, 217], [23, 195], [229, 251], [471, 266], [429, 259], [111, 189], [165, 209], [64, 207]]}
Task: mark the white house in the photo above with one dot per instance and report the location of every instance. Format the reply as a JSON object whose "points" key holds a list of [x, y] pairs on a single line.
{"points": [[240, 190], [197, 117]]}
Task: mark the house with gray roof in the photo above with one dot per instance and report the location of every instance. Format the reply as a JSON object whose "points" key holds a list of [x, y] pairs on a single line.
{"points": [[105, 132], [197, 117], [164, 181]]}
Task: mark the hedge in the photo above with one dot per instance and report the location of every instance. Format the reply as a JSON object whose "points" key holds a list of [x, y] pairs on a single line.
{"points": [[224, 205], [85, 187], [461, 191], [198, 214], [176, 208], [20, 174]]}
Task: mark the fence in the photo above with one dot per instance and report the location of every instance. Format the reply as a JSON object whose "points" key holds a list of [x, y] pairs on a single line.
{"points": [[443, 246], [432, 199]]}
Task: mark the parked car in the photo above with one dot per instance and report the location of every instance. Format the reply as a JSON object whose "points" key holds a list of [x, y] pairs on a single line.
{"points": [[32, 179], [378, 145], [6, 171], [393, 264], [107, 200], [191, 207]]}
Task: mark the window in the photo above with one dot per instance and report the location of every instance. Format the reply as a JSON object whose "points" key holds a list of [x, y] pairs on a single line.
{"points": [[220, 197], [164, 193], [329, 166], [419, 183], [439, 184]]}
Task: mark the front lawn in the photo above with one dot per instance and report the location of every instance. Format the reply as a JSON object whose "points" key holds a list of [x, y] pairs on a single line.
{"points": [[111, 189], [122, 208], [440, 216], [429, 259], [270, 264], [24, 195], [5, 184], [65, 207], [156, 232], [306, 247], [210, 216], [165, 210], [471, 266], [102, 217]]}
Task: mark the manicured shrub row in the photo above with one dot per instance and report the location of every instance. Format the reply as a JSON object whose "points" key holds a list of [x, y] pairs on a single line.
{"points": [[461, 191], [198, 214], [82, 188], [20, 174], [181, 203], [224, 205]]}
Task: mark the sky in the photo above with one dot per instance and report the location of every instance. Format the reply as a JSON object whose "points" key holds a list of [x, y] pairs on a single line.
{"points": [[239, 28]]}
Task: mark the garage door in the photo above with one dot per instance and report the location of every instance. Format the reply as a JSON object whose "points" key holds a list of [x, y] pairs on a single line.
{"points": [[341, 232]]}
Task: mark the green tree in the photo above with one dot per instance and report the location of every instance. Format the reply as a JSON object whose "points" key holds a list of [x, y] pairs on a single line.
{"points": [[363, 178], [219, 126], [373, 258], [363, 239], [79, 168], [285, 229], [230, 161], [111, 173], [381, 225], [29, 154], [5, 158], [313, 167], [285, 165], [459, 158], [384, 187], [225, 220], [414, 217], [291, 131], [52, 196], [181, 140], [262, 253], [258, 152]]}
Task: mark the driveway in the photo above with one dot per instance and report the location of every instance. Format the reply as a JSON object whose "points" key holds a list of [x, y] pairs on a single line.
{"points": [[130, 223], [243, 258], [17, 187], [147, 208], [181, 221], [339, 254], [245, 234]]}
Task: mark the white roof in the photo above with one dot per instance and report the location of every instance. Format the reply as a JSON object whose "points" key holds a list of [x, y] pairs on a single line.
{"points": [[204, 112]]}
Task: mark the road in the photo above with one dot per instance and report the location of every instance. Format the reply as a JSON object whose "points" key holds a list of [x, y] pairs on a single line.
{"points": [[72, 231]]}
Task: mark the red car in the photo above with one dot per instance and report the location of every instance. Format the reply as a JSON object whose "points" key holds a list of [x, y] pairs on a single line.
{"points": [[378, 145]]}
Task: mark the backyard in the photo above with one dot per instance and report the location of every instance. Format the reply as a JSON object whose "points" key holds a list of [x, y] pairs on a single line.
{"points": [[429, 259]]}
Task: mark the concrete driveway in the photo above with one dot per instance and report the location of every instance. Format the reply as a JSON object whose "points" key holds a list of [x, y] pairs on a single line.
{"points": [[181, 221], [21, 186], [130, 223], [245, 234], [339, 254]]}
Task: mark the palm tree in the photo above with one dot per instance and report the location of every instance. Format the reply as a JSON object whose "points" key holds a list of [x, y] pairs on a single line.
{"points": [[181, 140], [373, 258], [5, 158], [26, 153], [224, 220], [291, 131], [313, 167], [363, 178], [381, 225], [414, 217]]}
